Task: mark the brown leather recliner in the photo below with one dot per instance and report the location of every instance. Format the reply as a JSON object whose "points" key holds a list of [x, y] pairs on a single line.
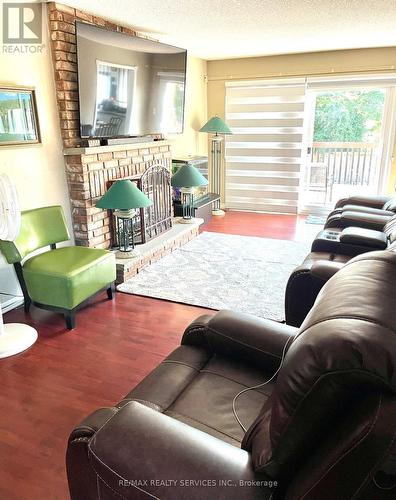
{"points": [[379, 205], [326, 429], [383, 202], [371, 212], [330, 250]]}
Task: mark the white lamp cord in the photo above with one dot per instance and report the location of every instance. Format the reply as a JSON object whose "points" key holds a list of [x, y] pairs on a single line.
{"points": [[259, 385]]}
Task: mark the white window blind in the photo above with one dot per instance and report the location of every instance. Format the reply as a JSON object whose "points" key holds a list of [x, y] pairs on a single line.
{"points": [[351, 81], [263, 156]]}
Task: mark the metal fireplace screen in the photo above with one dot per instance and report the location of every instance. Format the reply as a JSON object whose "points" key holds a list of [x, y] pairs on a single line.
{"points": [[151, 221]]}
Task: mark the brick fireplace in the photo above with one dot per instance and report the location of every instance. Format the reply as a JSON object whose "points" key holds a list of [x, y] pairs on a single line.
{"points": [[89, 171]]}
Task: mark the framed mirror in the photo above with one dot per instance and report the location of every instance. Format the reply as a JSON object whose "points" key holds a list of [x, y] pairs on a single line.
{"points": [[18, 116]]}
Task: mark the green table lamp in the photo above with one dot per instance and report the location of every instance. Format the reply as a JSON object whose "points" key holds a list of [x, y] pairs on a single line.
{"points": [[216, 126], [124, 197], [187, 178]]}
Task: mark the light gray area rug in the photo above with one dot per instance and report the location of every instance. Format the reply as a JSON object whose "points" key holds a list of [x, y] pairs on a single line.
{"points": [[222, 271]]}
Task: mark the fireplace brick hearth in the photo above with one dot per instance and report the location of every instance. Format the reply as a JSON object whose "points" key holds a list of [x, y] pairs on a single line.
{"points": [[88, 170], [156, 249]]}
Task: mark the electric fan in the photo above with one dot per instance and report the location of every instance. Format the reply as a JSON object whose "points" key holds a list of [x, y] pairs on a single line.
{"points": [[14, 337]]}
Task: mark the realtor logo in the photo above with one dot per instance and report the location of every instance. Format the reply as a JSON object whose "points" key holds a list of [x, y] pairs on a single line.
{"points": [[22, 23]]}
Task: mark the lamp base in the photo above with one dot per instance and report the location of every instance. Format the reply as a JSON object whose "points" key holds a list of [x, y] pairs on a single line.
{"points": [[16, 338], [192, 220], [218, 212], [127, 255]]}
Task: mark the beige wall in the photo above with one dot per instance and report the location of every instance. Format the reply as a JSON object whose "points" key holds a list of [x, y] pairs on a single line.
{"points": [[37, 170], [319, 63], [192, 142]]}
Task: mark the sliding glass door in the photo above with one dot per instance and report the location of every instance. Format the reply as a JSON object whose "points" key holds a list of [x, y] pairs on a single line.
{"points": [[298, 145], [348, 127]]}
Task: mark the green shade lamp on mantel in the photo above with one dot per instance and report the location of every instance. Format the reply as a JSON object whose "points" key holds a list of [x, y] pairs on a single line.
{"points": [[124, 197], [216, 126], [187, 178]]}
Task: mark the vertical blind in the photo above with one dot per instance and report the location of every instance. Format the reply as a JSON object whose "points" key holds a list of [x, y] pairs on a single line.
{"points": [[263, 156]]}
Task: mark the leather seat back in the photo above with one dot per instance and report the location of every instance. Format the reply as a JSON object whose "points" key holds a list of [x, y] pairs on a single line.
{"points": [[390, 227], [390, 204], [345, 351]]}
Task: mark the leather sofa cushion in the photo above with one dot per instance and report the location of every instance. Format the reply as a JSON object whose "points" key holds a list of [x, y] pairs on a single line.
{"points": [[197, 386], [390, 227], [345, 347], [391, 204]]}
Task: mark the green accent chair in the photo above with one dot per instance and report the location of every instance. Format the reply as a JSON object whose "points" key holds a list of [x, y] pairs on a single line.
{"points": [[59, 279]]}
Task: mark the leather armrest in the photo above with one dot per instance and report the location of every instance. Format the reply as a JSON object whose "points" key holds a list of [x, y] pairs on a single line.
{"points": [[325, 269], [246, 337], [367, 201], [365, 237], [360, 219], [368, 210], [92, 423], [141, 452]]}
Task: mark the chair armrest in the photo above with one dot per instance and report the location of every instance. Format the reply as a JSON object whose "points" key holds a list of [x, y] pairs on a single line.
{"points": [[368, 210], [246, 337], [325, 269], [141, 451], [359, 219], [375, 240], [367, 201]]}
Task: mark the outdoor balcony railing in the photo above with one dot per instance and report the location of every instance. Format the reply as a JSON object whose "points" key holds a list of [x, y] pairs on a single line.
{"points": [[348, 163]]}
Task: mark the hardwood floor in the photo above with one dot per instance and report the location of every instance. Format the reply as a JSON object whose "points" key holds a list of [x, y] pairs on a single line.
{"points": [[48, 389], [283, 227]]}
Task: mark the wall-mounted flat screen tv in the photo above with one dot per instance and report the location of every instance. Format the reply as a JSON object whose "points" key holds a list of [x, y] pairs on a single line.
{"points": [[128, 86]]}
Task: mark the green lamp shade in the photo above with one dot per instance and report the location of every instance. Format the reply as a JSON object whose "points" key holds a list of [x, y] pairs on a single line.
{"points": [[124, 195], [188, 176], [216, 125]]}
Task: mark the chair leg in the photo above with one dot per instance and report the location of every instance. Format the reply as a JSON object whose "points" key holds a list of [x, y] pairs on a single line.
{"points": [[111, 291], [70, 317], [21, 279], [27, 304]]}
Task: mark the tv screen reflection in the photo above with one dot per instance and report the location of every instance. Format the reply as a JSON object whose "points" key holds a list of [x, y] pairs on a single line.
{"points": [[128, 86]]}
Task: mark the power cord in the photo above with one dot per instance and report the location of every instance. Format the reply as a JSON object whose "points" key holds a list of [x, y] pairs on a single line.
{"points": [[259, 385]]}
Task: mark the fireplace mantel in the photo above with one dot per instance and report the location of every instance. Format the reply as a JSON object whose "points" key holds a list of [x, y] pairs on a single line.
{"points": [[115, 147]]}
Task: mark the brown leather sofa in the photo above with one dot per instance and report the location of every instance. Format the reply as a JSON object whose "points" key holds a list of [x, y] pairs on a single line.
{"points": [[331, 249], [324, 430], [371, 212], [385, 205]]}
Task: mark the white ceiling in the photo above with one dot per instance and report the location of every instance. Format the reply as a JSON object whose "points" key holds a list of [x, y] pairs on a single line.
{"points": [[221, 29]]}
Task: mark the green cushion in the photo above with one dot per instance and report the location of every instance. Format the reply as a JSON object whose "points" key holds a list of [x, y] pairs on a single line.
{"points": [[65, 277], [39, 228]]}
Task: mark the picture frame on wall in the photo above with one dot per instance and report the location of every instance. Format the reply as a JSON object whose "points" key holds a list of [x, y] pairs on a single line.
{"points": [[18, 116]]}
